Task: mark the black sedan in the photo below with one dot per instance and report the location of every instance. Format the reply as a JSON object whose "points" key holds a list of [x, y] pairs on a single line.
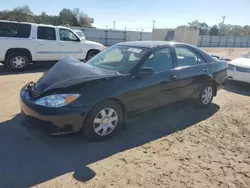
{"points": [[98, 96]]}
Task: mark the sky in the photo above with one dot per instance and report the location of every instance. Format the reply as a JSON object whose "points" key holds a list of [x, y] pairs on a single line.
{"points": [[138, 14]]}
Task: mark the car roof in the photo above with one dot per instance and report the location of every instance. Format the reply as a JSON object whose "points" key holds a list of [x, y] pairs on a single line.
{"points": [[155, 44], [149, 44]]}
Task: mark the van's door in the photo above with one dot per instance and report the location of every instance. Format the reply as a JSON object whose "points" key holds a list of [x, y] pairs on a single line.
{"points": [[70, 44], [47, 48]]}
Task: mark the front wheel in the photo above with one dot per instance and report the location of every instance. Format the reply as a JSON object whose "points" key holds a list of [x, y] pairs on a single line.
{"points": [[103, 121], [206, 96], [91, 54]]}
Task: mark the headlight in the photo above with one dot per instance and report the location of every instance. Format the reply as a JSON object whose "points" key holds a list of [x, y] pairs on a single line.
{"points": [[230, 67], [58, 100]]}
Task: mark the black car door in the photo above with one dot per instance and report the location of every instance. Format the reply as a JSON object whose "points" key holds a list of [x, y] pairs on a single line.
{"points": [[147, 92], [192, 71]]}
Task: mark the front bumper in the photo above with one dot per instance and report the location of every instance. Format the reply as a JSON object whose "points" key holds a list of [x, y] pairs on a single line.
{"points": [[238, 76], [53, 120]]}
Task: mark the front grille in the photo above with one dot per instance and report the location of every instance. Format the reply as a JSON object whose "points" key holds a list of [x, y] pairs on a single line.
{"points": [[47, 126], [241, 69], [44, 125]]}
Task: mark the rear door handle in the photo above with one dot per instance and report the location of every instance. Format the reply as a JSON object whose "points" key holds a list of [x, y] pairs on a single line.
{"points": [[41, 43], [172, 76], [205, 69]]}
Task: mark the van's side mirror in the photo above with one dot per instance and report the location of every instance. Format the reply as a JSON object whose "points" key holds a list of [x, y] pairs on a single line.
{"points": [[78, 39], [242, 55], [145, 71]]}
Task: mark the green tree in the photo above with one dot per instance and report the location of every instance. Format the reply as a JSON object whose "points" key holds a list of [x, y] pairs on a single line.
{"points": [[69, 17], [22, 13], [214, 31], [202, 26], [246, 30], [82, 18], [66, 16]]}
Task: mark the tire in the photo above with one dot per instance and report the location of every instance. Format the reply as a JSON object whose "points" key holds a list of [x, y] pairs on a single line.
{"points": [[17, 61], [206, 96], [98, 126], [91, 54]]}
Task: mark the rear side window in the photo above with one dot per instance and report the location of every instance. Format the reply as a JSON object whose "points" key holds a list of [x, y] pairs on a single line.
{"points": [[46, 33], [16, 30], [160, 60], [186, 57]]}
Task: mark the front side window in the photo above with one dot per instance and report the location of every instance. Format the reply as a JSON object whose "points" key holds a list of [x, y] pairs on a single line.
{"points": [[80, 34], [160, 60], [16, 30], [67, 35], [185, 57], [118, 58], [46, 33]]}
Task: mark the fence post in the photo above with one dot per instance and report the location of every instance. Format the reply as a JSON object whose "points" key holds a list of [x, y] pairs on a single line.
{"points": [[241, 42], [234, 41], [247, 42], [226, 41], [140, 35], [106, 37], [125, 36], [219, 42], [201, 41], [210, 41]]}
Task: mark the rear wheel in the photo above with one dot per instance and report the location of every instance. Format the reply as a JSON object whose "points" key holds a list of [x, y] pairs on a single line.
{"points": [[17, 61], [103, 121], [206, 95]]}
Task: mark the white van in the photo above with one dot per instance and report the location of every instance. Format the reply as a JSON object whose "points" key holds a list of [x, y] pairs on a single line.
{"points": [[22, 43]]}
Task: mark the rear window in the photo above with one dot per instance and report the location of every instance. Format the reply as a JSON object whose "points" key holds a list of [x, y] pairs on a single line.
{"points": [[16, 30]]}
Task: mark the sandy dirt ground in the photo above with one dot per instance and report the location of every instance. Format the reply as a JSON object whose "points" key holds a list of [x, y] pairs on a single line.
{"points": [[231, 53], [175, 146]]}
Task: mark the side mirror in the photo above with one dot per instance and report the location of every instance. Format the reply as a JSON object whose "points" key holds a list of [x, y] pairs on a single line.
{"points": [[242, 55], [145, 71]]}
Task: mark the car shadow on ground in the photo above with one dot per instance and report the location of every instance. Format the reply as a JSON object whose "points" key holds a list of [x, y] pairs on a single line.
{"points": [[33, 68], [29, 157], [238, 87]]}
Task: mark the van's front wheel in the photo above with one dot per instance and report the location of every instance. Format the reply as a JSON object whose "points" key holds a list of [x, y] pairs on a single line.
{"points": [[91, 54]]}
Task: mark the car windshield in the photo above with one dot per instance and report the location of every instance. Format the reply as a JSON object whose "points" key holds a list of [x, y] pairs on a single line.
{"points": [[118, 58]]}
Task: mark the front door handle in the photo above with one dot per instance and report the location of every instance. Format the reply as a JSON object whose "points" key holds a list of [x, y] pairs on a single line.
{"points": [[172, 76], [41, 43], [205, 69]]}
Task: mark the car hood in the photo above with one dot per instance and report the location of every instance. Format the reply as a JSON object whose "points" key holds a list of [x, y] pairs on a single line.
{"points": [[241, 62], [70, 71]]}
